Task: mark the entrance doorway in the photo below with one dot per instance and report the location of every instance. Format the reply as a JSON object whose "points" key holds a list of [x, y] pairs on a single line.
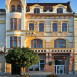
{"points": [[15, 70], [60, 66]]}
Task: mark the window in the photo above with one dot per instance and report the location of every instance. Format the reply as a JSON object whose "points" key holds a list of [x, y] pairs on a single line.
{"points": [[40, 66], [31, 26], [15, 24], [64, 27], [15, 42], [19, 8], [41, 27], [36, 10], [59, 43], [36, 43], [60, 10], [13, 8], [54, 26]]}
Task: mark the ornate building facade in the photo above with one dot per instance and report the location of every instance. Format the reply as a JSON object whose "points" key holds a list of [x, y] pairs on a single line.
{"points": [[47, 28]]}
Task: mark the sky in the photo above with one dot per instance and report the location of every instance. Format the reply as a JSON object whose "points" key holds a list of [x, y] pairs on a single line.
{"points": [[72, 2]]}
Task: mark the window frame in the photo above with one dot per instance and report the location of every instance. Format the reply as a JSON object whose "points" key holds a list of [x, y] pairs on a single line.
{"points": [[18, 6], [62, 27], [59, 43], [36, 10], [16, 40], [42, 27], [59, 10], [54, 27], [33, 43], [31, 27], [13, 8], [12, 27]]}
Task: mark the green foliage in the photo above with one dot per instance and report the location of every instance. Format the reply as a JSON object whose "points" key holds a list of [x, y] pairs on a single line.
{"points": [[50, 63], [23, 57], [52, 75]]}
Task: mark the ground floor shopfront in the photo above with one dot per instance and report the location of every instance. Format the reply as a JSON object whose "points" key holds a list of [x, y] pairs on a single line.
{"points": [[61, 63]]}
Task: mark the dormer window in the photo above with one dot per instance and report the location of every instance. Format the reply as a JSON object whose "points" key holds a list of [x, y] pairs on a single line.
{"points": [[60, 10], [13, 8], [19, 8], [36, 10]]}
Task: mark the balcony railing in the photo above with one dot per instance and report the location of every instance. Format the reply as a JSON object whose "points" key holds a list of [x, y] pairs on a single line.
{"points": [[1, 49], [53, 50]]}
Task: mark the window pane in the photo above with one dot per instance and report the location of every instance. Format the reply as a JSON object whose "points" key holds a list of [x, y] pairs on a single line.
{"points": [[15, 26], [64, 27], [10, 42], [15, 43], [19, 26], [36, 10], [41, 27], [60, 43], [13, 8], [54, 27], [60, 10], [31, 26], [19, 8]]}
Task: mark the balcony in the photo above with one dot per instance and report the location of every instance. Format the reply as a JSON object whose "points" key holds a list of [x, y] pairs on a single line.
{"points": [[1, 49], [53, 50], [30, 32]]}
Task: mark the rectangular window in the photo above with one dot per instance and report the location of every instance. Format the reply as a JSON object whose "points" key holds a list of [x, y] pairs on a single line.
{"points": [[15, 41], [64, 27], [54, 27], [31, 26], [15, 24], [41, 27]]}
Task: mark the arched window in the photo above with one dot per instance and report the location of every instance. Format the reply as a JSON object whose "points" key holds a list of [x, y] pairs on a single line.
{"points": [[36, 10], [19, 8], [31, 26], [13, 8], [41, 27], [60, 10], [60, 43], [36, 43], [54, 24], [64, 27]]}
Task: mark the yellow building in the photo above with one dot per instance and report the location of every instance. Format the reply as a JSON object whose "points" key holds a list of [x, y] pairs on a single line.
{"points": [[47, 28]]}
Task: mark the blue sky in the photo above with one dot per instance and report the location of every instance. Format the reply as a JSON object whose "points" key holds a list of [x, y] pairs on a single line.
{"points": [[73, 3]]}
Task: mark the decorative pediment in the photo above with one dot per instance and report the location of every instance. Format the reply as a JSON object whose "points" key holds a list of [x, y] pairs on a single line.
{"points": [[36, 5], [60, 5]]}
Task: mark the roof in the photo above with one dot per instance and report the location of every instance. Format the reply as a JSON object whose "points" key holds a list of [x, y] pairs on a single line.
{"points": [[49, 6]]}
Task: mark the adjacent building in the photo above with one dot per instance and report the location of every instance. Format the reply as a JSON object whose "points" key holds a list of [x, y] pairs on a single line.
{"points": [[47, 28]]}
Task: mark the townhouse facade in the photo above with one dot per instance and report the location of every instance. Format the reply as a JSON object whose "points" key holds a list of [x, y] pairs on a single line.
{"points": [[47, 28]]}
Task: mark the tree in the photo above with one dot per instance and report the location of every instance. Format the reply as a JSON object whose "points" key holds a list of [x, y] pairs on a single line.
{"points": [[23, 57]]}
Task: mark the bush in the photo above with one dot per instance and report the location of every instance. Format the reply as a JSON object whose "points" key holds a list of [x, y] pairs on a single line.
{"points": [[52, 75], [27, 75]]}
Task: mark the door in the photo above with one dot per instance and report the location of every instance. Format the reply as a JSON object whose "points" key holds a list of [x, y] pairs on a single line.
{"points": [[59, 69], [59, 66]]}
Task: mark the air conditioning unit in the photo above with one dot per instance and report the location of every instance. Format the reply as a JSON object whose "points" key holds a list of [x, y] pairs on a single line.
{"points": [[1, 49]]}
